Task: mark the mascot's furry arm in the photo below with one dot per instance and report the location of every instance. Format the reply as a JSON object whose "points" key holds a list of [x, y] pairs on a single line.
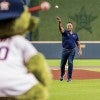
{"points": [[38, 65]]}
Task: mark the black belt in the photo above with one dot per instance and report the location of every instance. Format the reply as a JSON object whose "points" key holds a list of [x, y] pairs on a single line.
{"points": [[70, 49]]}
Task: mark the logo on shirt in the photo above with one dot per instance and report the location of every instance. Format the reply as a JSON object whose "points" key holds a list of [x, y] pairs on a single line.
{"points": [[4, 6], [74, 35]]}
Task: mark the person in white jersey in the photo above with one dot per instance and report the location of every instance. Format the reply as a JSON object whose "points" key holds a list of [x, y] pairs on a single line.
{"points": [[24, 73]]}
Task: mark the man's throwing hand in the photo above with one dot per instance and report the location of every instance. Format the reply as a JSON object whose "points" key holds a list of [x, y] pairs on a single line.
{"points": [[58, 19]]}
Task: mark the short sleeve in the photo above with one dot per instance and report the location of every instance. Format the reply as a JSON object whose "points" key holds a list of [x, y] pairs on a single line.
{"points": [[77, 38], [26, 48], [29, 51]]}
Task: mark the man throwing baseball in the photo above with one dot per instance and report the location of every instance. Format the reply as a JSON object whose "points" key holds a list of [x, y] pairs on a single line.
{"points": [[69, 41]]}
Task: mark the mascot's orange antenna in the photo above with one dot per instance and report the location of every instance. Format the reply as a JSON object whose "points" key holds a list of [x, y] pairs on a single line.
{"points": [[43, 6]]}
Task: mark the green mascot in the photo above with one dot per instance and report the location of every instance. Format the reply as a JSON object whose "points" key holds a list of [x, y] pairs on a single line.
{"points": [[24, 73]]}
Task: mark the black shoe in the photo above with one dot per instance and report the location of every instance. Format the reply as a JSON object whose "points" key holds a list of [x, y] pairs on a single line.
{"points": [[69, 80], [61, 78]]}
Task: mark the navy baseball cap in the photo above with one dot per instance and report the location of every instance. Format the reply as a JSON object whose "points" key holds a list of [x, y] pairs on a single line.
{"points": [[10, 9]]}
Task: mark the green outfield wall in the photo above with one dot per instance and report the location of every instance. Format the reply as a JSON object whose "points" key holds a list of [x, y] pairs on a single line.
{"points": [[85, 15]]}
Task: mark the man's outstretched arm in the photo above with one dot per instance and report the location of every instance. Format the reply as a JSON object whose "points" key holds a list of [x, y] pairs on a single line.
{"points": [[60, 24]]}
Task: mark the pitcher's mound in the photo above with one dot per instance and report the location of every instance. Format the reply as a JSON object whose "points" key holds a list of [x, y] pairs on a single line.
{"points": [[78, 74]]}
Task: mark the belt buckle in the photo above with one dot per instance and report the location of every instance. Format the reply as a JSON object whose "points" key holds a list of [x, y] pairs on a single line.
{"points": [[68, 49]]}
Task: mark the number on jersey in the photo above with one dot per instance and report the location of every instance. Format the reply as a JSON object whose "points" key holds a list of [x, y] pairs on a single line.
{"points": [[3, 53]]}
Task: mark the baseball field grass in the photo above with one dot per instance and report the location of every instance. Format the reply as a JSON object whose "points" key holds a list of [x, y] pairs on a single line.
{"points": [[87, 89], [75, 90], [77, 62]]}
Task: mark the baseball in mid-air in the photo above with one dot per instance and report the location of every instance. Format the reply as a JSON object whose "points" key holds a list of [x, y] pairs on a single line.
{"points": [[56, 6]]}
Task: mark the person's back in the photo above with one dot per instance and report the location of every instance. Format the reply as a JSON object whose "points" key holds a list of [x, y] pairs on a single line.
{"points": [[14, 53]]}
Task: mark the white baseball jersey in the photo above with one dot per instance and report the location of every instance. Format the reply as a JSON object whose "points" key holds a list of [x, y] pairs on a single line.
{"points": [[14, 77]]}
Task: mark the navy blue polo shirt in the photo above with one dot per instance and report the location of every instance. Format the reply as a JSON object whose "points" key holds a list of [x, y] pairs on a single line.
{"points": [[69, 40]]}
